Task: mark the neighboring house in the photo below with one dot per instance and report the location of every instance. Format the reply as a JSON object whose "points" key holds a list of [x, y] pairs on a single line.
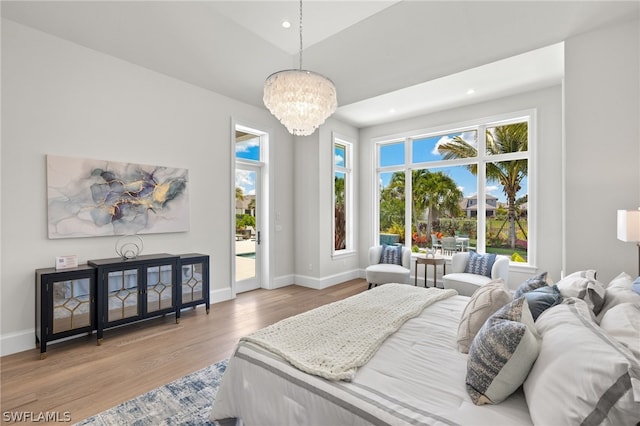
{"points": [[246, 205], [470, 205], [524, 210]]}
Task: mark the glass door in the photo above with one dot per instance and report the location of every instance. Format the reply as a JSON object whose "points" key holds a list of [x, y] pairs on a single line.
{"points": [[247, 229], [122, 295], [248, 213]]}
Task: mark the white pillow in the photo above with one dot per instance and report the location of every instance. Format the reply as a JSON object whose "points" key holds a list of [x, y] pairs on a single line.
{"points": [[502, 354], [623, 280], [486, 300], [618, 291], [583, 285], [582, 375], [622, 322]]}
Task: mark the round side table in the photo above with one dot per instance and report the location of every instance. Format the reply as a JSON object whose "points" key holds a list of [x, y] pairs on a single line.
{"points": [[435, 261]]}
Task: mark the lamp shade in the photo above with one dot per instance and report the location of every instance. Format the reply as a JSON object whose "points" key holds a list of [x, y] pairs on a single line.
{"points": [[629, 225], [302, 100]]}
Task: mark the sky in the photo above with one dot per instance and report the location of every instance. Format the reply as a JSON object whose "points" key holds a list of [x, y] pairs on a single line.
{"points": [[426, 150], [423, 150], [248, 150]]}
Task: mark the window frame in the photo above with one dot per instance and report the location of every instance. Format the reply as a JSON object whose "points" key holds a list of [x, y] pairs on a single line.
{"points": [[347, 170], [483, 158]]}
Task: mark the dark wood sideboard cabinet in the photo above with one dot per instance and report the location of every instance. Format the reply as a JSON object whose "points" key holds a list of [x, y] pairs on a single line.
{"points": [[194, 280], [65, 304], [108, 293]]}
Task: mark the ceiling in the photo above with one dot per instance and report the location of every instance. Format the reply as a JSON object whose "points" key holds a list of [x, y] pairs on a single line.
{"points": [[388, 59]]}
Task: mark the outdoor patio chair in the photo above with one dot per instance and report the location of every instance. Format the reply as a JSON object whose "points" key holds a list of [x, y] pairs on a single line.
{"points": [[449, 245], [462, 240], [434, 242]]}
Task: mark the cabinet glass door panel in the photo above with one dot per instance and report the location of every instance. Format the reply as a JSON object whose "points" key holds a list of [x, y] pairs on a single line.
{"points": [[123, 294], [71, 304], [159, 288], [192, 282]]}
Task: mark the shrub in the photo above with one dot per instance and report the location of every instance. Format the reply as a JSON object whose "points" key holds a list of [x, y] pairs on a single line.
{"points": [[515, 257]]}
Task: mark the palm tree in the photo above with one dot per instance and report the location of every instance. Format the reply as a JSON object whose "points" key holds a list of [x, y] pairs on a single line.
{"points": [[392, 202], [340, 233], [434, 191], [499, 140], [239, 197]]}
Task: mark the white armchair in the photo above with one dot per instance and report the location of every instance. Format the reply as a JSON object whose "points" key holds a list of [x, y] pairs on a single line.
{"points": [[383, 273], [466, 283]]}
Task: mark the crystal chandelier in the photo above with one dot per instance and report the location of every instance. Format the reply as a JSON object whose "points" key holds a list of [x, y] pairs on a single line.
{"points": [[302, 100]]}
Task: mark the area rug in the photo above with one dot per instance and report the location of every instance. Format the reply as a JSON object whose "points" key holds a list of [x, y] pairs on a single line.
{"points": [[186, 401]]}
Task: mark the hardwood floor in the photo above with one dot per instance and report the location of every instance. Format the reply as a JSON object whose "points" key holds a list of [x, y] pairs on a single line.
{"points": [[82, 379]]}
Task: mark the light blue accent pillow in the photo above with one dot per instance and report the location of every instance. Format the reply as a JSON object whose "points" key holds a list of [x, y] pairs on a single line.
{"points": [[391, 255], [635, 286], [542, 299], [480, 264]]}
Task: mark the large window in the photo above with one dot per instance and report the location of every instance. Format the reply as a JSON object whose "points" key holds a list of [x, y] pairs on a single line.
{"points": [[342, 196], [471, 183]]}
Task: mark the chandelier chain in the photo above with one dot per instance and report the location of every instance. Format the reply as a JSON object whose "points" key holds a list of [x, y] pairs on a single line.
{"points": [[301, 100], [301, 35]]}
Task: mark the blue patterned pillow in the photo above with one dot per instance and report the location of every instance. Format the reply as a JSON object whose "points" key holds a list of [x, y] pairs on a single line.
{"points": [[502, 354], [480, 264], [391, 254], [531, 284]]}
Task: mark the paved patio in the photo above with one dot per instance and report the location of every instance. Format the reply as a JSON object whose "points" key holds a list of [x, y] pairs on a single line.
{"points": [[245, 266]]}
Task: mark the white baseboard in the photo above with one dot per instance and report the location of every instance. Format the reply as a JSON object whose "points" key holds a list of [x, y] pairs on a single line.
{"points": [[24, 340], [322, 283], [17, 341], [220, 295], [283, 281]]}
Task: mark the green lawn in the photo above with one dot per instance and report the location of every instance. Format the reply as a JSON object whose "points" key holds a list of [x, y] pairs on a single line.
{"points": [[507, 251]]}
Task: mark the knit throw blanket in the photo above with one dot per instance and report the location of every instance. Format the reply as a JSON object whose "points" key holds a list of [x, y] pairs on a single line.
{"points": [[332, 341]]}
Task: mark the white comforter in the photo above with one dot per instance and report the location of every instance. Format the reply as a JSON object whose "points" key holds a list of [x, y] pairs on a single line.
{"points": [[332, 341], [416, 377]]}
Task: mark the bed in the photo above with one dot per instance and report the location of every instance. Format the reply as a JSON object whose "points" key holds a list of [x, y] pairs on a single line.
{"points": [[416, 376]]}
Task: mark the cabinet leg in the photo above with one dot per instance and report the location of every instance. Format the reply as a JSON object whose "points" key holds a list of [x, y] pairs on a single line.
{"points": [[99, 342], [177, 320], [43, 355], [208, 311]]}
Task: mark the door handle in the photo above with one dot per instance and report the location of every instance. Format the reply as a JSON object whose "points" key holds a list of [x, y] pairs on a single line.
{"points": [[258, 238]]}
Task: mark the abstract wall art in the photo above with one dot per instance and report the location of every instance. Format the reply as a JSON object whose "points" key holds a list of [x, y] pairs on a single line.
{"points": [[89, 198]]}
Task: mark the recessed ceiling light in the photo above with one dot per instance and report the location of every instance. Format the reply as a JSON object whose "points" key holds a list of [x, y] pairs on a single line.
{"points": [[286, 24], [470, 92], [392, 111]]}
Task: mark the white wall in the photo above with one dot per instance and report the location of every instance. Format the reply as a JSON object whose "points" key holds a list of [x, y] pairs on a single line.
{"points": [[602, 119], [344, 267], [315, 266], [63, 99], [307, 209], [578, 191], [547, 213]]}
